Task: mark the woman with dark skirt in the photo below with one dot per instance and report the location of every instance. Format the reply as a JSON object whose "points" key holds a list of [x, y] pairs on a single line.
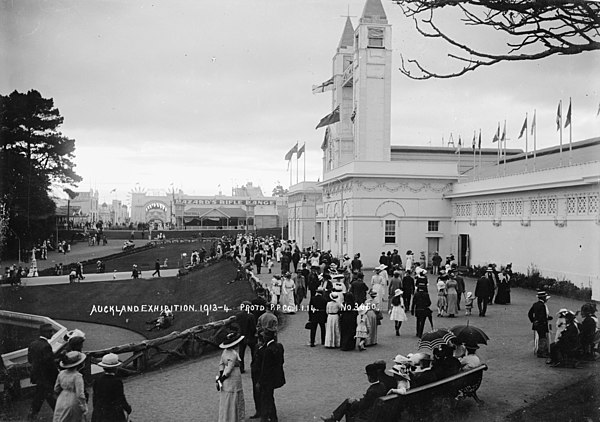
{"points": [[348, 323]]}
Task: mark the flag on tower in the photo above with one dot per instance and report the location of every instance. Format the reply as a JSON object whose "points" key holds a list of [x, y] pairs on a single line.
{"points": [[504, 132], [114, 190], [325, 86], [301, 150], [497, 134], [524, 128], [474, 144], [533, 123], [459, 146], [331, 118], [291, 152], [479, 144], [558, 115], [598, 112], [568, 118]]}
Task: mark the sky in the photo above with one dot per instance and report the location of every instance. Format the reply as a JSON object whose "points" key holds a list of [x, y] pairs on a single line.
{"points": [[205, 95]]}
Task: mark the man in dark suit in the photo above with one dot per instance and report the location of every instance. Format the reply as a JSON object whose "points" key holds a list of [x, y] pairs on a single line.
{"points": [[317, 316], [271, 376], [255, 370], [483, 289], [43, 370], [361, 409], [538, 316], [359, 289], [247, 327]]}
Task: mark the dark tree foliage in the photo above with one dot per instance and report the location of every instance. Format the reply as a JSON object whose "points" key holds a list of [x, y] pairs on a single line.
{"points": [[279, 191], [33, 155], [535, 29]]}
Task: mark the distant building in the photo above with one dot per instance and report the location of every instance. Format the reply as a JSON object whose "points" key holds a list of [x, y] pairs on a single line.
{"points": [[537, 212], [246, 209]]}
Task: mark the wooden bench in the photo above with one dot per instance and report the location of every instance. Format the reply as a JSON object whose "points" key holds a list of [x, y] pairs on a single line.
{"points": [[451, 390]]}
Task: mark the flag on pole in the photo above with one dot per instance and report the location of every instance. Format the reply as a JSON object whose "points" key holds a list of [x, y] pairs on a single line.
{"points": [[459, 146], [325, 86], [504, 132], [114, 190], [598, 112], [533, 123], [331, 118], [353, 116], [479, 146], [497, 135], [558, 115], [301, 150], [568, 118], [474, 144], [291, 152], [524, 128]]}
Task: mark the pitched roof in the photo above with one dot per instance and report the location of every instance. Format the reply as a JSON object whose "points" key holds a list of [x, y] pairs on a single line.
{"points": [[373, 12], [347, 39]]}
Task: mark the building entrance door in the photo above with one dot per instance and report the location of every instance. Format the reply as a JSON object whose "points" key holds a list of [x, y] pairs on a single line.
{"points": [[433, 245], [463, 250]]}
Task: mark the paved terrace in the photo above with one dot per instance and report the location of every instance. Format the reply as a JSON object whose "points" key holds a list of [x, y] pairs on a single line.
{"points": [[319, 378]]}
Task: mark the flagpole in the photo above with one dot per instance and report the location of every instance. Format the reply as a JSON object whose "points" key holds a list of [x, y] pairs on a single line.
{"points": [[526, 141], [534, 137], [479, 146], [474, 152], [305, 161], [560, 129], [570, 133], [498, 155], [504, 134], [297, 165]]}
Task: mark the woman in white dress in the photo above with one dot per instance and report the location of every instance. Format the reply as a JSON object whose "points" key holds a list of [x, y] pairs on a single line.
{"points": [[71, 405], [379, 286], [229, 382], [288, 288], [332, 327], [397, 313]]}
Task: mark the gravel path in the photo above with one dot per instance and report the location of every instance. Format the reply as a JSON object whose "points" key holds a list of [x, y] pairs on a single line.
{"points": [[318, 378]]}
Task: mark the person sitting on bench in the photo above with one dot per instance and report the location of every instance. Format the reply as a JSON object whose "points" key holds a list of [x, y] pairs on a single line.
{"points": [[359, 410], [567, 343]]}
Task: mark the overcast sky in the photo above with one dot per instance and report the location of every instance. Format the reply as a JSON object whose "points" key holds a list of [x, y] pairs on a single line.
{"points": [[207, 93]]}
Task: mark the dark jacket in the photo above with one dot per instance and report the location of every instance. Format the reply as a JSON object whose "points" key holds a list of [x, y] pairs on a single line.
{"points": [[420, 304], [408, 284], [363, 408], [109, 400], [41, 358], [359, 290], [484, 287], [539, 317], [271, 374], [317, 306]]}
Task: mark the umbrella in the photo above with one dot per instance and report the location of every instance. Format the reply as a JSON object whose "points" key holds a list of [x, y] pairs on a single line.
{"points": [[434, 339], [468, 334]]}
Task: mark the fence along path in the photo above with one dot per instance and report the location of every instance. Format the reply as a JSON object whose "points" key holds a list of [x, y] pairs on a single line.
{"points": [[318, 379]]}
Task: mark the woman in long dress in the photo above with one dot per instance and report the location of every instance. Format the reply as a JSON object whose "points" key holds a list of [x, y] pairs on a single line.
{"points": [[442, 302], [229, 382], [379, 286], [371, 314], [288, 288], [451, 297], [332, 327], [348, 323], [71, 405], [397, 313]]}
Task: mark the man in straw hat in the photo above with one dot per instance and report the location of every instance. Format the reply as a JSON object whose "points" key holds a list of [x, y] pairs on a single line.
{"points": [[109, 399], [361, 409], [43, 370], [539, 317]]}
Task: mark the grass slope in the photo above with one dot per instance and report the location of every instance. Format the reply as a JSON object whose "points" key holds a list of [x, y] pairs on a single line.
{"points": [[75, 301]]}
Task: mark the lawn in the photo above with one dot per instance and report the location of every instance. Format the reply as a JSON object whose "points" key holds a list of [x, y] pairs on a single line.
{"points": [[205, 287]]}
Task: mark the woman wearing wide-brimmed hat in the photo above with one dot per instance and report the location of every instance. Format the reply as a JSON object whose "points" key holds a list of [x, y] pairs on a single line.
{"points": [[332, 326], [397, 313], [71, 405], [229, 381], [110, 403]]}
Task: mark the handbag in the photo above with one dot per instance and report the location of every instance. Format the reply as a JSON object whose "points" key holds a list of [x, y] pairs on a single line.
{"points": [[310, 325]]}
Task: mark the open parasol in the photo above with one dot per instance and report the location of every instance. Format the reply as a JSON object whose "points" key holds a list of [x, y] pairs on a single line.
{"points": [[468, 334], [434, 339]]}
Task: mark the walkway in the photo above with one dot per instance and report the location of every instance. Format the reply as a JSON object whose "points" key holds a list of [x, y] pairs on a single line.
{"points": [[318, 378]]}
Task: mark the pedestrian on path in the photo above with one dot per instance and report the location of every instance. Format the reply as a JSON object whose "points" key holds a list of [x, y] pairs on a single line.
{"points": [[156, 268], [229, 381], [483, 290], [71, 405], [43, 371], [110, 404], [539, 317], [271, 376]]}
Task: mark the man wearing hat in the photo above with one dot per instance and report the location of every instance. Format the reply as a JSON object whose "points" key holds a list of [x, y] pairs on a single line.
{"points": [[109, 399], [470, 360], [317, 316], [384, 378], [361, 409], [483, 290], [43, 370], [271, 376], [567, 343], [539, 316], [420, 308], [359, 290]]}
